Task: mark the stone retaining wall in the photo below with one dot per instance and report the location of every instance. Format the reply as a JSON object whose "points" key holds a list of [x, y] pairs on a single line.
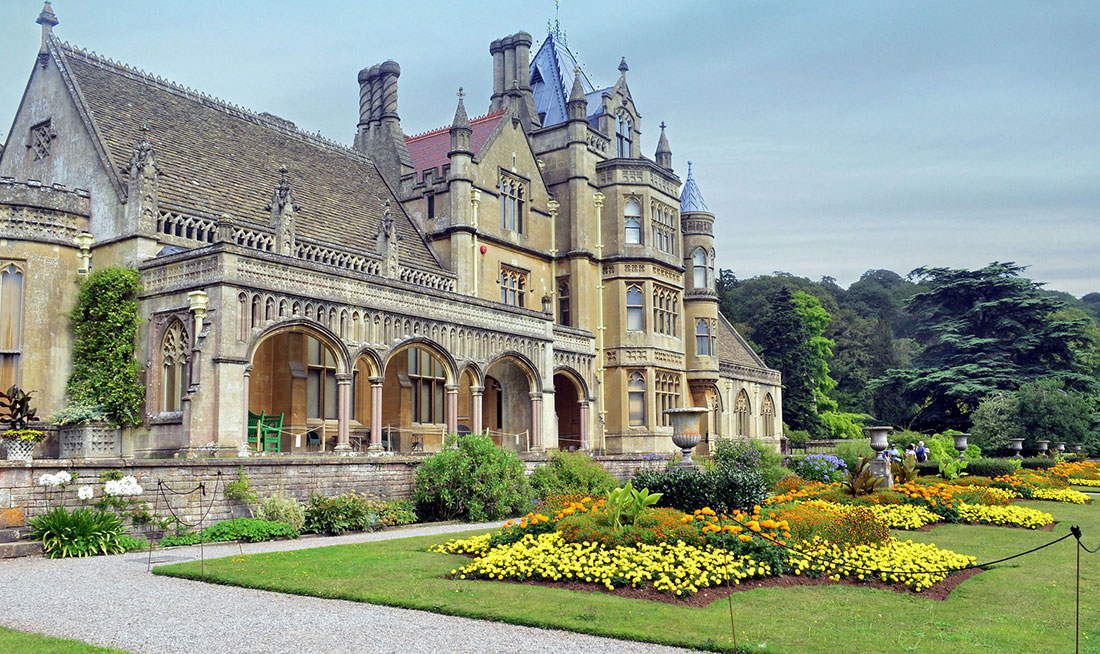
{"points": [[382, 477]]}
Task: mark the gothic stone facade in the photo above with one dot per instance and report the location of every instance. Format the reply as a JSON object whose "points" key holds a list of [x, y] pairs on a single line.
{"points": [[529, 272]]}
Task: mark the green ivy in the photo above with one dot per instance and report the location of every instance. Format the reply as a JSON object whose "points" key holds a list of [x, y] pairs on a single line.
{"points": [[105, 322]]}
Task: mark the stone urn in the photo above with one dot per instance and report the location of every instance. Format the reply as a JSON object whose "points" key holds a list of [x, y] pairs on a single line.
{"points": [[1043, 446], [960, 444], [1017, 444], [1061, 445], [879, 437], [1077, 448], [880, 467], [685, 432]]}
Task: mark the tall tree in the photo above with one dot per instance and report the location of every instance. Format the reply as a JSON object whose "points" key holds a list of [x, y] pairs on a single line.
{"points": [[816, 319], [983, 331], [785, 341]]}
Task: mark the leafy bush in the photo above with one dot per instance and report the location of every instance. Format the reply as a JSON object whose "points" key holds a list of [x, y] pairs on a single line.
{"points": [[725, 488], [240, 489], [335, 515], [282, 508], [990, 467], [84, 532], [249, 530], [571, 472], [843, 425], [105, 322], [820, 467], [393, 513], [652, 526], [750, 455], [473, 481], [79, 413], [851, 452], [1038, 463]]}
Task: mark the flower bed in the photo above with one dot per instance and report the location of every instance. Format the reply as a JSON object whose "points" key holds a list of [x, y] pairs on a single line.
{"points": [[1076, 481], [1061, 495], [1013, 516]]}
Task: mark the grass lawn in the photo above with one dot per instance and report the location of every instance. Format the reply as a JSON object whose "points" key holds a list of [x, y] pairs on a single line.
{"points": [[21, 642], [1025, 605]]}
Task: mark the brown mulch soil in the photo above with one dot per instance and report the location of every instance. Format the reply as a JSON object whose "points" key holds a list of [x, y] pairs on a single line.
{"points": [[939, 591]]}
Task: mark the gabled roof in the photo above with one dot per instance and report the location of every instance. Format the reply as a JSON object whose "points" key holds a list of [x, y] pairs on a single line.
{"points": [[691, 198], [429, 150], [732, 346], [552, 71], [219, 158]]}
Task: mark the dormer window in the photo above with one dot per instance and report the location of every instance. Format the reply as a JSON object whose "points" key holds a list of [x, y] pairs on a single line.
{"points": [[42, 136], [632, 222], [623, 136]]}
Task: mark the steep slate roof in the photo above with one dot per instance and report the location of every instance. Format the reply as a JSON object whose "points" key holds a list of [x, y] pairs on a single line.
{"points": [[552, 75], [732, 346], [429, 150], [216, 158], [691, 198]]}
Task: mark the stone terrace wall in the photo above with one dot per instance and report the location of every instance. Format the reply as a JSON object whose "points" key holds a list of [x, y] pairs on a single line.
{"points": [[383, 477]]}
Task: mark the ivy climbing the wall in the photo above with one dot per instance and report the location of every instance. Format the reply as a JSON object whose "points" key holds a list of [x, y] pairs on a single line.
{"points": [[105, 322]]}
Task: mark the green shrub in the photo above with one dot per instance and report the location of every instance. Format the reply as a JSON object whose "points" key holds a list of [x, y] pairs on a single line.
{"points": [[335, 515], [652, 526], [130, 543], [1038, 463], [990, 467], [569, 473], [751, 454], [249, 530], [843, 425], [240, 489], [850, 453], [84, 532], [282, 508], [393, 513], [473, 481], [725, 488]]}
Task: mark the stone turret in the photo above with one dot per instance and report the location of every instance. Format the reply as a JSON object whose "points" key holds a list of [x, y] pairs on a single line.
{"points": [[700, 298], [663, 155]]}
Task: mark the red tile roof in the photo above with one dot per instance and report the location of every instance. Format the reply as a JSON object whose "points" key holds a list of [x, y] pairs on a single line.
{"points": [[429, 150]]}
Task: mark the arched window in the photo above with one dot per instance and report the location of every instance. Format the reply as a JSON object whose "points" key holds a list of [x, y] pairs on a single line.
{"points": [[428, 378], [513, 196], [513, 286], [666, 311], [176, 366], [635, 321], [635, 393], [11, 325], [563, 303], [699, 270], [741, 409], [704, 338], [768, 412], [623, 136], [632, 222], [667, 388]]}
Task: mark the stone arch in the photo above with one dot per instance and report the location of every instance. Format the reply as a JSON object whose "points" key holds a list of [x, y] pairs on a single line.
{"points": [[368, 355], [524, 363], [318, 331], [449, 363]]}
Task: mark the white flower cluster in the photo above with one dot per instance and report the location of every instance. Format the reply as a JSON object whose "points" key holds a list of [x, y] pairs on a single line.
{"points": [[55, 480], [85, 493], [125, 487]]}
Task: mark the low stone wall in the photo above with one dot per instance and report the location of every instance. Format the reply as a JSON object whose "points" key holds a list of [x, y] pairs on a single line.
{"points": [[382, 477]]}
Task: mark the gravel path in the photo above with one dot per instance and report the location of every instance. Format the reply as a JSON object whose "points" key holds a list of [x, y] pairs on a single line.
{"points": [[112, 601]]}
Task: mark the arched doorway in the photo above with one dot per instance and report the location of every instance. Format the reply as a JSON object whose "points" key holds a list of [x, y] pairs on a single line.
{"points": [[508, 410], [570, 405], [293, 386], [415, 399]]}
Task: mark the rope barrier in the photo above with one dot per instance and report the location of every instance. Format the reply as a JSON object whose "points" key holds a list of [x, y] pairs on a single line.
{"points": [[161, 489]]}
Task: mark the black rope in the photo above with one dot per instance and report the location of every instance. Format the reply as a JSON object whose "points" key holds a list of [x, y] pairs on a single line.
{"points": [[1076, 531], [1077, 604], [201, 487], [847, 567]]}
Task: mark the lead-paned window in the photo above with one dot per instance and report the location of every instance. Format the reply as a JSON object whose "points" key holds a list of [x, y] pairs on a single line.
{"points": [[668, 395], [428, 381], [175, 362], [666, 311], [635, 393], [11, 325], [632, 222], [320, 381], [635, 319], [513, 203], [513, 286]]}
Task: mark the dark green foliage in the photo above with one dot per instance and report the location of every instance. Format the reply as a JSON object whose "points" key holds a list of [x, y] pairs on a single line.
{"points": [[105, 322], [395, 513], [1038, 463], [785, 340], [570, 473], [473, 481], [1047, 410], [928, 469], [335, 515], [990, 467], [983, 331], [84, 532], [240, 489], [248, 530], [17, 408], [723, 489]]}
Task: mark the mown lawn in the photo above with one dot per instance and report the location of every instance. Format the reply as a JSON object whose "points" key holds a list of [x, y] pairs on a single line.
{"points": [[21, 642], [1025, 605]]}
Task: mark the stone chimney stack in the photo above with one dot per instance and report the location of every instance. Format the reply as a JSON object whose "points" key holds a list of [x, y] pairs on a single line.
{"points": [[379, 133], [512, 77]]}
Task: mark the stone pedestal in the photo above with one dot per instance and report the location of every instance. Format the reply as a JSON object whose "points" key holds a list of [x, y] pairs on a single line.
{"points": [[880, 468]]}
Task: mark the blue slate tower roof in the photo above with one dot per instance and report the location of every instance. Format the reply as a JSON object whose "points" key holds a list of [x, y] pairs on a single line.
{"points": [[691, 198], [552, 75]]}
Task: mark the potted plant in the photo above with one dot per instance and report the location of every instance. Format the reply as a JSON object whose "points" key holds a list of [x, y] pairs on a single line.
{"points": [[86, 432], [19, 439]]}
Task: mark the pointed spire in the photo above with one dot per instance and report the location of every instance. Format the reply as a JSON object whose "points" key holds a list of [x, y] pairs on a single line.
{"points": [[623, 67], [577, 93], [664, 152], [461, 121], [691, 198], [577, 107], [47, 19]]}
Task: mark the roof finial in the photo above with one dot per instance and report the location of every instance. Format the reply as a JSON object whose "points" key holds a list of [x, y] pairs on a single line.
{"points": [[689, 170], [662, 125], [622, 66], [553, 28], [47, 19], [460, 94]]}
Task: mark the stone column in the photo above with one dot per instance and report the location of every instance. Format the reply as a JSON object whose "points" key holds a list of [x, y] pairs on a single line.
{"points": [[244, 449], [584, 425], [452, 408], [343, 411], [376, 413], [475, 399], [536, 421]]}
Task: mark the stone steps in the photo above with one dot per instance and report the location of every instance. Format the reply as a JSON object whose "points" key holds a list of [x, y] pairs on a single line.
{"points": [[12, 534], [20, 548]]}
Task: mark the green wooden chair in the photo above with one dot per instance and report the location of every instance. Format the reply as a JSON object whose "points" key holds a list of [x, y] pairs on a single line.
{"points": [[254, 420], [271, 429]]}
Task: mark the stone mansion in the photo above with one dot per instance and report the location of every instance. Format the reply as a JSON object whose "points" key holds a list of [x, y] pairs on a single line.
{"points": [[528, 272]]}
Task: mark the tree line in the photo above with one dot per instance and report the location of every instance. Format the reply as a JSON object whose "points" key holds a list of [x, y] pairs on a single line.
{"points": [[987, 350]]}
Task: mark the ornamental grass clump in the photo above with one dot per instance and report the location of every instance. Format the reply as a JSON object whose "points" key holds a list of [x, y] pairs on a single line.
{"points": [[83, 532]]}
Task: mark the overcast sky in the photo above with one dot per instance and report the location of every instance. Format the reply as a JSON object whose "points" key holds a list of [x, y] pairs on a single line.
{"points": [[829, 138]]}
